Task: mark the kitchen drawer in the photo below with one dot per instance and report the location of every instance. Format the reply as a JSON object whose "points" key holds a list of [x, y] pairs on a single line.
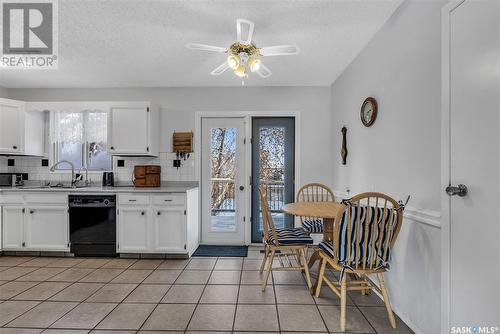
{"points": [[43, 198], [133, 199], [169, 200], [11, 199]]}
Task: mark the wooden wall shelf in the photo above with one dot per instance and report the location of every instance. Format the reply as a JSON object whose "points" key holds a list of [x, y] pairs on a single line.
{"points": [[182, 142]]}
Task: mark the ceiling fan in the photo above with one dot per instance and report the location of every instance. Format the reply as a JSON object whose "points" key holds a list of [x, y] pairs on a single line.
{"points": [[244, 55]]}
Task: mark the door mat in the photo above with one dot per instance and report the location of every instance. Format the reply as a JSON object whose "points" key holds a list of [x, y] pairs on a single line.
{"points": [[226, 251]]}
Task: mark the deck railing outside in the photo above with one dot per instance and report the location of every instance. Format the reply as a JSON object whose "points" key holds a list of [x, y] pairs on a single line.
{"points": [[274, 191]]}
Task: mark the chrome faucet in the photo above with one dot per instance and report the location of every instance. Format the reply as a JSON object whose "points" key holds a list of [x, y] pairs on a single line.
{"points": [[53, 168], [86, 175]]}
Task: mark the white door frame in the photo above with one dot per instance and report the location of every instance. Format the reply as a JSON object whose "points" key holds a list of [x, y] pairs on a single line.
{"points": [[248, 153], [445, 162]]}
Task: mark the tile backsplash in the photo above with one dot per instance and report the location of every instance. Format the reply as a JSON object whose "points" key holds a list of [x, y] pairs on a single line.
{"points": [[33, 166]]}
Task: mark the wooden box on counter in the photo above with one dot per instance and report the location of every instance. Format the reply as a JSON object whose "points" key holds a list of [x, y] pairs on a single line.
{"points": [[147, 176]]}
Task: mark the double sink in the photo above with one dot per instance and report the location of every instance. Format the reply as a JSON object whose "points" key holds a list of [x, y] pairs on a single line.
{"points": [[54, 186]]}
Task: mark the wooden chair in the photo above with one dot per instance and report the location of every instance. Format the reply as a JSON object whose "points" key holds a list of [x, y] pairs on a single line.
{"points": [[314, 192], [364, 233], [290, 242]]}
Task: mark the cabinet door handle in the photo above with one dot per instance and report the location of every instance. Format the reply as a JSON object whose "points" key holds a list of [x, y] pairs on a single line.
{"points": [[168, 200], [143, 213], [32, 211], [158, 213], [24, 244], [14, 147], [112, 148], [132, 200]]}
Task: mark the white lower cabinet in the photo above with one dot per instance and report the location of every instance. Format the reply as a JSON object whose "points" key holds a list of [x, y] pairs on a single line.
{"points": [[46, 227], [146, 223], [156, 224], [132, 229], [12, 221], [169, 224], [41, 225]]}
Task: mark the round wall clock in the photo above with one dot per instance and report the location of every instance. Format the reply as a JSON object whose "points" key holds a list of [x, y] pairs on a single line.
{"points": [[368, 111]]}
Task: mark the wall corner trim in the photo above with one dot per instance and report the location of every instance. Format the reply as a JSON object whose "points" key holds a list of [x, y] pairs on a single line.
{"points": [[419, 215]]}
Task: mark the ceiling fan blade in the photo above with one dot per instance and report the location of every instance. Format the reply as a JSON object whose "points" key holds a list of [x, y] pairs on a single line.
{"points": [[244, 31], [279, 50], [220, 69], [205, 47], [263, 71]]}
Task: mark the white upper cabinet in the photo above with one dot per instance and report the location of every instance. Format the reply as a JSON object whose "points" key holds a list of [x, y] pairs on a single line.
{"points": [[133, 129], [21, 131]]}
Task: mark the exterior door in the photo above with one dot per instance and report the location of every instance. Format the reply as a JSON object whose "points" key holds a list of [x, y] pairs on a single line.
{"points": [[273, 166], [474, 161], [223, 176]]}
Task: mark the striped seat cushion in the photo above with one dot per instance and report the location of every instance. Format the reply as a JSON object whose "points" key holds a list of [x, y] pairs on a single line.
{"points": [[290, 236], [327, 246], [377, 238], [313, 226]]}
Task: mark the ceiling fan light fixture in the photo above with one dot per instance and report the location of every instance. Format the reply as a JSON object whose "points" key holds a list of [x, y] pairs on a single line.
{"points": [[241, 71], [243, 55], [233, 62], [253, 64]]}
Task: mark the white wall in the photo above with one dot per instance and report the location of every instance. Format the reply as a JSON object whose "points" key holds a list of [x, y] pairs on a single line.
{"points": [[400, 154], [179, 106], [4, 92]]}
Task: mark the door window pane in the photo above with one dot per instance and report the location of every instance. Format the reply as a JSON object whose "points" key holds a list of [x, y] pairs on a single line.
{"points": [[222, 179], [272, 171]]}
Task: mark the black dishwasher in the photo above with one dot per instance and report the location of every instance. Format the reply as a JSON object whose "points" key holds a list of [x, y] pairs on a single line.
{"points": [[92, 224]]}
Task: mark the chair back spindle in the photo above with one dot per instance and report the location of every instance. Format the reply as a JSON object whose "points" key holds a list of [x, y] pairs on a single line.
{"points": [[267, 219], [314, 192]]}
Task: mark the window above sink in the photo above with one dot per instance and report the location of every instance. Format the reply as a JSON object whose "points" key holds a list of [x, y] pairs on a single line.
{"points": [[81, 137]]}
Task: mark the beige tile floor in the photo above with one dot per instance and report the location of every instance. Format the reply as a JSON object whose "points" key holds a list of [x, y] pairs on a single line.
{"points": [[201, 295]]}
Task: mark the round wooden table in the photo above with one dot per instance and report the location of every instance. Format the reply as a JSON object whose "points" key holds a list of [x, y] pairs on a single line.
{"points": [[326, 210]]}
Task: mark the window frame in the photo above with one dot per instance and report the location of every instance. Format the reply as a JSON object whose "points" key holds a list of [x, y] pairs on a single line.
{"points": [[54, 147]]}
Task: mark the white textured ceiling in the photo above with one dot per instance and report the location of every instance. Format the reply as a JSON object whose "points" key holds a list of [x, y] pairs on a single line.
{"points": [[117, 43]]}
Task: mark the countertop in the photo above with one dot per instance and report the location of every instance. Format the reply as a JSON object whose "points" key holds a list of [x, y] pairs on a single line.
{"points": [[166, 187]]}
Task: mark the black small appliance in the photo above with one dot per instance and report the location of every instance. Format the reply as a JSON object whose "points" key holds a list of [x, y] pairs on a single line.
{"points": [[92, 224], [108, 179], [12, 179]]}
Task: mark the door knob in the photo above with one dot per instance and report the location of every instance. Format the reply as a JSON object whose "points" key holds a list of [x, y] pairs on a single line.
{"points": [[460, 190], [242, 188]]}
